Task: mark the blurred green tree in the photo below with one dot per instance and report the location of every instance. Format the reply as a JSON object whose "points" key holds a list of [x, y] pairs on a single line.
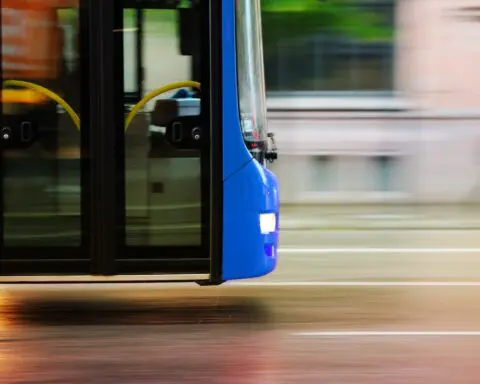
{"points": [[284, 19]]}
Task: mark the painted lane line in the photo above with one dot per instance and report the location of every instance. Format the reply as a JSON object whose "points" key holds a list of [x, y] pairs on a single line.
{"points": [[378, 250], [388, 334], [176, 285], [356, 283]]}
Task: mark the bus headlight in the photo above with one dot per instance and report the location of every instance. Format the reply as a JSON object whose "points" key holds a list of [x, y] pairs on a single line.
{"points": [[268, 223]]}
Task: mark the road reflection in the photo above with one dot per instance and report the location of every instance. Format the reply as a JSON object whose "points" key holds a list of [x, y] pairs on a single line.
{"points": [[236, 334], [140, 335], [162, 311]]}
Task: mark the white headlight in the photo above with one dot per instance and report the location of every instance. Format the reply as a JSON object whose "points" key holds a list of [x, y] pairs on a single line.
{"points": [[268, 223]]}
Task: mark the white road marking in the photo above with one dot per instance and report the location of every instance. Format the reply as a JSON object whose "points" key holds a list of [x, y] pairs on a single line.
{"points": [[387, 333], [378, 250], [162, 285], [357, 283]]}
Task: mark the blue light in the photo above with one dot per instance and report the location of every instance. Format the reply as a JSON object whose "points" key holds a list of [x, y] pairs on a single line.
{"points": [[270, 250]]}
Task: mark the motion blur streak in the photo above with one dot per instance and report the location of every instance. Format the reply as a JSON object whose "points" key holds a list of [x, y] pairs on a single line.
{"points": [[240, 334], [375, 109]]}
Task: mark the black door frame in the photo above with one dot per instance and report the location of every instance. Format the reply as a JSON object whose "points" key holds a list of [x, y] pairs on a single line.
{"points": [[49, 260], [186, 259], [101, 193], [106, 196]]}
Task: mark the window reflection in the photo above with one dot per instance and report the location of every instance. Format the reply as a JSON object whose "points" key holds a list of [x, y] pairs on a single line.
{"points": [[41, 152], [340, 46], [163, 198]]}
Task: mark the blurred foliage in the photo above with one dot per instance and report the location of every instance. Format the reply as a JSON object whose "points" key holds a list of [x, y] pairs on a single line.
{"points": [[296, 18]]}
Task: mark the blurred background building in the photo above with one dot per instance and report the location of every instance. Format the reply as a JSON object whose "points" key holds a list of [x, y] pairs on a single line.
{"points": [[374, 101]]}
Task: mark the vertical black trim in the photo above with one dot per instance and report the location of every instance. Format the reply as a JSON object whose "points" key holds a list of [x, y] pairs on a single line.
{"points": [[85, 163], [201, 60], [119, 135], [140, 18], [199, 65], [101, 121], [216, 148]]}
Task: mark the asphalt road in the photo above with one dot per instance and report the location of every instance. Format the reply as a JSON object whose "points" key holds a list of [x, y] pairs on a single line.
{"points": [[298, 325], [397, 255]]}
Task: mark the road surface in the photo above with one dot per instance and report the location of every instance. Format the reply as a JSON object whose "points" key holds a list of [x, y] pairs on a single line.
{"points": [[299, 325], [396, 255]]}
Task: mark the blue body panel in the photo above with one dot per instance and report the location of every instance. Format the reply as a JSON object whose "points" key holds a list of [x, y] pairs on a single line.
{"points": [[249, 189], [235, 153]]}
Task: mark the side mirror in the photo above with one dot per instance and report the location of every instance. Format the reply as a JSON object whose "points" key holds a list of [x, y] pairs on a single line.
{"points": [[272, 152]]}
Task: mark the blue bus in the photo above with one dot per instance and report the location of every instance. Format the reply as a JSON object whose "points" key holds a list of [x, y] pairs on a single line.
{"points": [[134, 142]]}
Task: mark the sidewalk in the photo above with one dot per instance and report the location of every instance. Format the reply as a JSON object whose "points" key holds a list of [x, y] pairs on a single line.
{"points": [[346, 217]]}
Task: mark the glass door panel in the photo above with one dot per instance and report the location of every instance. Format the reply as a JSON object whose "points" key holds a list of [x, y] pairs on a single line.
{"points": [[166, 165], [40, 143]]}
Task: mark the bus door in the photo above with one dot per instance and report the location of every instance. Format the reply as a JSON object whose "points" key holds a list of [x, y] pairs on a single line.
{"points": [[41, 162], [167, 151], [92, 182]]}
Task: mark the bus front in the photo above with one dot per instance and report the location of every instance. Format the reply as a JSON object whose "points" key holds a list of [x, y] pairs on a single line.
{"points": [[251, 195]]}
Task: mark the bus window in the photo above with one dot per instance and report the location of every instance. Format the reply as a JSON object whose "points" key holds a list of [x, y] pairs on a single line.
{"points": [[250, 72], [163, 179], [41, 154]]}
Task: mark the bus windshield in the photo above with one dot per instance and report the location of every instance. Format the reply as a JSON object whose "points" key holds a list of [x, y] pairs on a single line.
{"points": [[250, 71]]}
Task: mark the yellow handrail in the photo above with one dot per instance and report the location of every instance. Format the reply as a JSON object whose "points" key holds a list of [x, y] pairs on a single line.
{"points": [[52, 95], [157, 92], [76, 120]]}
